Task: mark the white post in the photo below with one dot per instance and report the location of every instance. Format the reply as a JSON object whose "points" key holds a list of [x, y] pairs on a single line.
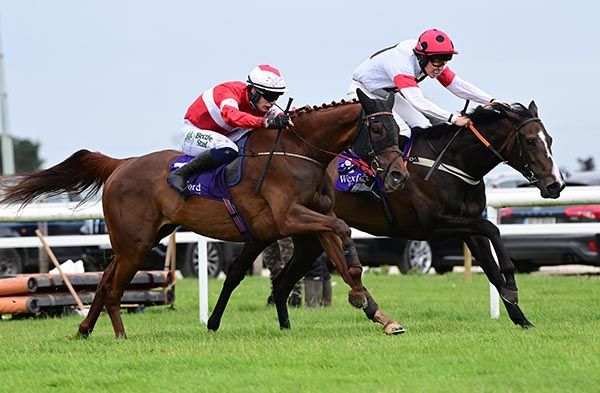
{"points": [[203, 278], [492, 215], [8, 159]]}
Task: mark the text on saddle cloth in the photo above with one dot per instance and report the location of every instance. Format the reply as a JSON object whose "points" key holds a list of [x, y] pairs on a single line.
{"points": [[351, 177]]}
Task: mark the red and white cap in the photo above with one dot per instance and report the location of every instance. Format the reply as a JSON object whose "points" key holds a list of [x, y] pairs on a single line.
{"points": [[266, 77]]}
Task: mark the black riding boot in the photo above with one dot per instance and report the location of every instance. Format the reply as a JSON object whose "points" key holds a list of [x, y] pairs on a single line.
{"points": [[178, 178], [402, 141]]}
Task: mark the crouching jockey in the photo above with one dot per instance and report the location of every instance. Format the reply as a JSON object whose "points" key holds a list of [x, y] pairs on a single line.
{"points": [[222, 115], [400, 69]]}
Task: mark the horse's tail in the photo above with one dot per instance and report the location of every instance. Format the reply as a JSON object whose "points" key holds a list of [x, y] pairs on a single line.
{"points": [[83, 170]]}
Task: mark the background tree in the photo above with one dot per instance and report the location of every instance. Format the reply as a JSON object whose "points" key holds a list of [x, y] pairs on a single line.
{"points": [[26, 155], [586, 164]]}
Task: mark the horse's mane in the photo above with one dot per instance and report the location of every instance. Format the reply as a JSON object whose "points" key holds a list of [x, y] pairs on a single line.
{"points": [[480, 115], [308, 109]]}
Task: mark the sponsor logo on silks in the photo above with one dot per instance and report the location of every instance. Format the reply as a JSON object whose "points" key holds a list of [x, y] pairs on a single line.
{"points": [[189, 136], [351, 179], [202, 140], [205, 137], [195, 188]]}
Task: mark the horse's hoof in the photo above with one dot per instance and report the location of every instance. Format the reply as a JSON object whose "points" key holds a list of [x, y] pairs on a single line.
{"points": [[393, 329], [357, 300], [82, 335], [285, 326], [510, 295], [527, 325], [213, 327]]}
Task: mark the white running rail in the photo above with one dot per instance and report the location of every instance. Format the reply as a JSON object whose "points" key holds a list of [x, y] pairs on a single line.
{"points": [[39, 212]]}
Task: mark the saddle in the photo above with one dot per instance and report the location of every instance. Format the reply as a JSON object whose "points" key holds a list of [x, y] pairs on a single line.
{"points": [[214, 183]]}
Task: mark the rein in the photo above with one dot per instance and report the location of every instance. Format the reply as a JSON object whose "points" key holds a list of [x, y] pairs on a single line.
{"points": [[370, 170], [261, 180], [525, 171]]}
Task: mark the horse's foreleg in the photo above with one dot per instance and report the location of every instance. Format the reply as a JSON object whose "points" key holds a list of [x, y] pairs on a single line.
{"points": [[455, 226], [345, 259], [480, 247], [306, 251], [300, 220], [235, 274], [507, 268], [335, 237]]}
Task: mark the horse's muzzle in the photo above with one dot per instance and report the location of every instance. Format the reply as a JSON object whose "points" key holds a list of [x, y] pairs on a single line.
{"points": [[553, 190], [395, 181]]}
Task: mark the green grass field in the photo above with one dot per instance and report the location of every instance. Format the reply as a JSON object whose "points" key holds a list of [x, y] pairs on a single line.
{"points": [[451, 345]]}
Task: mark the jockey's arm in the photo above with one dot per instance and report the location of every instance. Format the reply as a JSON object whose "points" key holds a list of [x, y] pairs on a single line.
{"points": [[415, 97], [237, 118], [463, 89]]}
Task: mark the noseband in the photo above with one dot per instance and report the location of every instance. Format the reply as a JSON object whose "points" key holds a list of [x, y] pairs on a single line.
{"points": [[526, 172], [526, 168]]}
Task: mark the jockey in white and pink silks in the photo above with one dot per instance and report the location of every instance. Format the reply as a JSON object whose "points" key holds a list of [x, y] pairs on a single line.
{"points": [[401, 67], [222, 115]]}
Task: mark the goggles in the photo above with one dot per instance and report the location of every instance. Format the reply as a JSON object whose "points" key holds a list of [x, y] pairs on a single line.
{"points": [[270, 96]]}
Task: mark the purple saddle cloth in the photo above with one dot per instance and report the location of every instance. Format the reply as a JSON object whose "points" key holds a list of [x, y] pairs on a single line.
{"points": [[349, 174], [209, 184], [214, 184]]}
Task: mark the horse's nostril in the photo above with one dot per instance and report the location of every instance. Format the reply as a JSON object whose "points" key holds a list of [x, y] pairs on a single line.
{"points": [[556, 186], [397, 177]]}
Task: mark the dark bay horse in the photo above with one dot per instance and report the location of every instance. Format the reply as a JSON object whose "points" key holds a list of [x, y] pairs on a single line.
{"points": [[451, 202], [296, 198]]}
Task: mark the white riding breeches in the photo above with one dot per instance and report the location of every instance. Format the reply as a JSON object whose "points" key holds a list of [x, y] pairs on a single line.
{"points": [[197, 140], [405, 114]]}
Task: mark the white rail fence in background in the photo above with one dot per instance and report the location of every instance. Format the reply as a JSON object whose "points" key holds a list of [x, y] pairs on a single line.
{"points": [[509, 197], [496, 198]]}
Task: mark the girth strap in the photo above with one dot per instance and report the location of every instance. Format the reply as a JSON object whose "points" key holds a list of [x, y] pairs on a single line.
{"points": [[445, 168], [238, 220]]}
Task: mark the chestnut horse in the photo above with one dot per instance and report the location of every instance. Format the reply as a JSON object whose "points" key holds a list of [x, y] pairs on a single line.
{"points": [[296, 198], [451, 202]]}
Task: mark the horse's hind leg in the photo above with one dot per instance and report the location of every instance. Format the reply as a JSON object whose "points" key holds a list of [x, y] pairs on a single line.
{"points": [[235, 274], [124, 271], [480, 247], [87, 325]]}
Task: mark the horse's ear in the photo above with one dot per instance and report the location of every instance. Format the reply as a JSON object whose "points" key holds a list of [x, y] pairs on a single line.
{"points": [[389, 101], [365, 100], [533, 109]]}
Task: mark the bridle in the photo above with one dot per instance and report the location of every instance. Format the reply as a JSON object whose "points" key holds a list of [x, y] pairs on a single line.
{"points": [[525, 168], [372, 153]]}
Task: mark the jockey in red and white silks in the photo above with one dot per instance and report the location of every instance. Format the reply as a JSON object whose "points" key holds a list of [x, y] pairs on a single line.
{"points": [[401, 67], [222, 115]]}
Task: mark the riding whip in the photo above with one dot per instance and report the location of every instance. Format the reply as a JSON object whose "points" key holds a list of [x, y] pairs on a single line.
{"points": [[438, 160], [268, 164]]}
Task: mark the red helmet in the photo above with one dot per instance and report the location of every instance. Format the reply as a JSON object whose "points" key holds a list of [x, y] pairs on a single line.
{"points": [[435, 42]]}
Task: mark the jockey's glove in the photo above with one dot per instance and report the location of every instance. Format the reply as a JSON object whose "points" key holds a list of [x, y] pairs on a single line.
{"points": [[278, 122]]}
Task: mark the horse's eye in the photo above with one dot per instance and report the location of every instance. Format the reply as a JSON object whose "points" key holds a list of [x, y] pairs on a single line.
{"points": [[530, 142]]}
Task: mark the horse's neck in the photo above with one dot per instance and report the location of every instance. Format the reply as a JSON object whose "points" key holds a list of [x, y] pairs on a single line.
{"points": [[331, 129], [467, 152]]}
